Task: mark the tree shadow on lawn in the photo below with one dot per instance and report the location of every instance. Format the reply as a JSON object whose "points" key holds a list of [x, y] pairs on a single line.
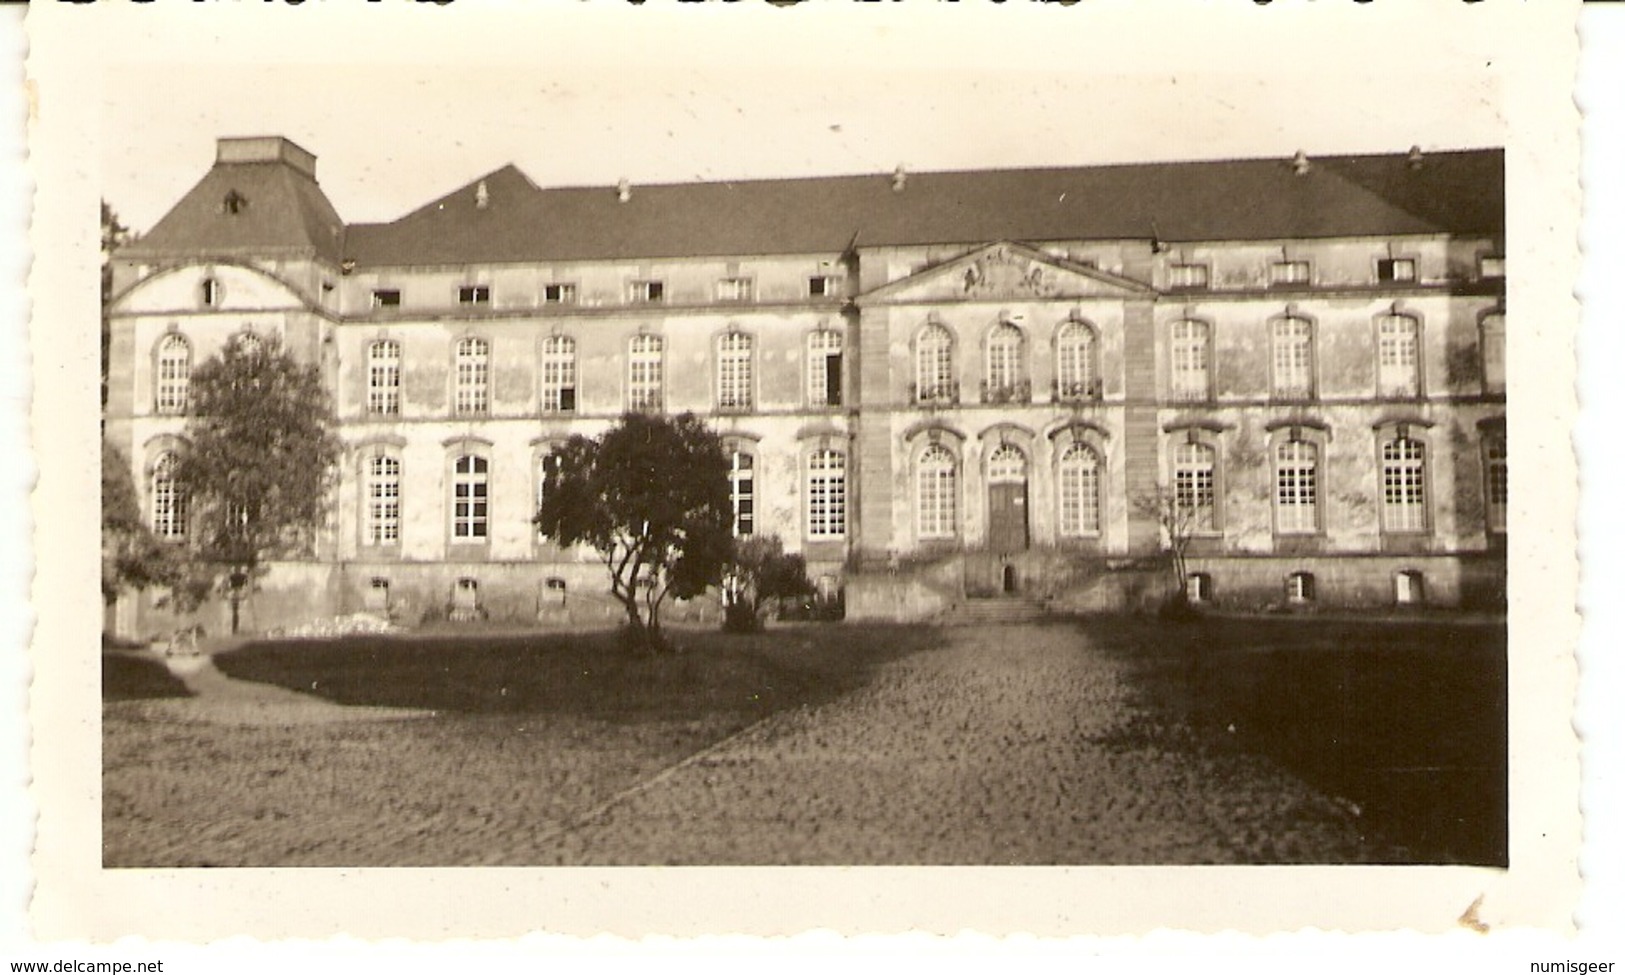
{"points": [[126, 677], [586, 674], [1408, 721]]}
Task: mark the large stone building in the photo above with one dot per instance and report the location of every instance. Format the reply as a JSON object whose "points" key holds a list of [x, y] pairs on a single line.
{"points": [[933, 385]]}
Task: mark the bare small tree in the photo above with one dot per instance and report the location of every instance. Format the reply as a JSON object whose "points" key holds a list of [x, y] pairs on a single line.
{"points": [[1178, 518]]}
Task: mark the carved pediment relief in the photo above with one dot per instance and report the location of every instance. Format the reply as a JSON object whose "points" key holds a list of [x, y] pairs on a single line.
{"points": [[1006, 271]]}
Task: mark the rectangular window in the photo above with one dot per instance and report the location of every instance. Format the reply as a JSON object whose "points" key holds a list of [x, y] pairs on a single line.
{"points": [[1294, 358], [558, 294], [824, 286], [1398, 356], [386, 298], [742, 492], [647, 292], [470, 512], [1190, 360], [824, 368], [1195, 498], [474, 294], [646, 374], [1289, 272], [383, 501], [1404, 488], [1295, 488], [558, 374], [384, 378], [1392, 269], [826, 494], [473, 376], [736, 289], [1494, 343], [734, 367], [1495, 484], [1187, 276]]}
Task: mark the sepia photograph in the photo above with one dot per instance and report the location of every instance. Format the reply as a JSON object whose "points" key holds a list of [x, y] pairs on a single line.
{"points": [[700, 462]]}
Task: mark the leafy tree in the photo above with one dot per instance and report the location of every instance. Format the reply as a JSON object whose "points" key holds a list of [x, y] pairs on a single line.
{"points": [[114, 236], [1178, 520], [132, 557], [651, 496], [759, 571], [260, 461]]}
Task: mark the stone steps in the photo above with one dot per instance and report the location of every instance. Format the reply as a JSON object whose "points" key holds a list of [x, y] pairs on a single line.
{"points": [[995, 610]]}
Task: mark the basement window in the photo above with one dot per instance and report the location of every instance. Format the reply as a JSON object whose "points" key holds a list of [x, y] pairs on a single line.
{"points": [[474, 294], [558, 294], [1300, 587], [386, 298], [1396, 269]]}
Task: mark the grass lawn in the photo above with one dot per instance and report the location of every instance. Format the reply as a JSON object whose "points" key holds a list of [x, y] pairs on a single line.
{"points": [[1406, 720]]}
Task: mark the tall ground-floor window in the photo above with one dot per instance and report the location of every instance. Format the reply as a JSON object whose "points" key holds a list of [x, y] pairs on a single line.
{"points": [[1404, 485], [470, 499], [168, 503], [1495, 483], [1080, 491], [937, 491], [1296, 488], [383, 501], [826, 494], [1195, 495], [742, 492]]}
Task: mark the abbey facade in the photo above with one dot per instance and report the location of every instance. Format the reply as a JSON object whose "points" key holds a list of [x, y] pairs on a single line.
{"points": [[935, 386]]}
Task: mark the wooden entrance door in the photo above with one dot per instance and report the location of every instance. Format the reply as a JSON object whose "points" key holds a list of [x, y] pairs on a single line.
{"points": [[1007, 500]]}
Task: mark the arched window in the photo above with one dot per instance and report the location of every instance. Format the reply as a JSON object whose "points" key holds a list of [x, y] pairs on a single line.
{"points": [[934, 366], [1398, 356], [383, 515], [168, 503], [1404, 485], [936, 493], [1195, 490], [558, 374], [826, 494], [1293, 358], [470, 499], [1297, 488], [174, 387], [824, 368], [1075, 377], [735, 359], [1006, 465], [1006, 374], [1495, 482], [250, 344], [742, 490], [1190, 360], [646, 377], [1079, 474], [1493, 342], [473, 376], [384, 378]]}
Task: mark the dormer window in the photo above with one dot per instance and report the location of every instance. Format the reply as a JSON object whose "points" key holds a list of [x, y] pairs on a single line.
{"points": [[234, 203], [735, 289], [824, 286], [1187, 276], [1289, 272], [1492, 267], [1396, 269], [558, 294], [474, 294], [647, 292], [386, 298]]}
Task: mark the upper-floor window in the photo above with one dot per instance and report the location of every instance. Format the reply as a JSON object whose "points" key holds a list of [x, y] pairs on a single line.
{"points": [[474, 294], [645, 373], [1292, 342], [742, 491], [1396, 269], [824, 286], [1079, 474], [1191, 353], [936, 486], [174, 386], [735, 359], [168, 502], [558, 374], [386, 298], [1187, 276], [1492, 267], [470, 498], [1195, 487], [1493, 343], [1404, 485], [826, 494], [1297, 496], [1289, 272], [1495, 482], [383, 512], [1398, 356], [736, 289], [647, 292], [209, 292], [1075, 373], [934, 366], [824, 368], [558, 294], [384, 377], [473, 393], [1006, 378]]}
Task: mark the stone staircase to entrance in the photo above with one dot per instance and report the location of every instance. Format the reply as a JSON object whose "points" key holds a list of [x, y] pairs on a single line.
{"points": [[996, 610]]}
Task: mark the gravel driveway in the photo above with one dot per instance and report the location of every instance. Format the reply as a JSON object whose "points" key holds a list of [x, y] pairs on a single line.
{"points": [[1013, 745]]}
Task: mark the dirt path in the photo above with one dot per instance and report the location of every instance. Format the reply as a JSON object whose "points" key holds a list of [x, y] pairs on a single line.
{"points": [[1012, 745]]}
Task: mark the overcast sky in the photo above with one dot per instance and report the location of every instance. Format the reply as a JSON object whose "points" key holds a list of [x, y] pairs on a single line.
{"points": [[390, 137]]}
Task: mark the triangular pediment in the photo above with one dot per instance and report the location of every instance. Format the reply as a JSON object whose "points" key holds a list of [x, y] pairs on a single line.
{"points": [[1006, 270]]}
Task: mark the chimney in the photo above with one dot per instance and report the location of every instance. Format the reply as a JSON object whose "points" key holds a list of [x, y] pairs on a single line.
{"points": [[899, 178], [1414, 157], [1300, 163], [623, 190], [482, 196]]}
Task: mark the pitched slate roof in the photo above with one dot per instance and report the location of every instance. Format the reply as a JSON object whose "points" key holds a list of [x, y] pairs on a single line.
{"points": [[1458, 192], [281, 209]]}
